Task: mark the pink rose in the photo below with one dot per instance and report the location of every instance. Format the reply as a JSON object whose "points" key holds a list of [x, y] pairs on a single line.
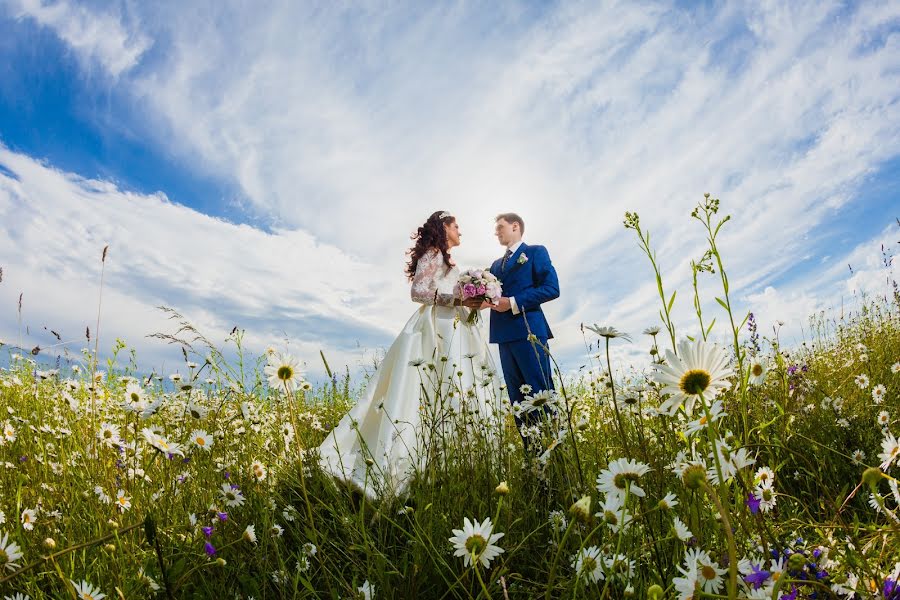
{"points": [[480, 289], [469, 290]]}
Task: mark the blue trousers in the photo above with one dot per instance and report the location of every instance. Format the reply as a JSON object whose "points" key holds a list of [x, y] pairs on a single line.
{"points": [[525, 363]]}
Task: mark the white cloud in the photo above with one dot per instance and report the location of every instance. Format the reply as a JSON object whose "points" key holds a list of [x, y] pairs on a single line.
{"points": [[353, 124], [276, 285], [95, 36]]}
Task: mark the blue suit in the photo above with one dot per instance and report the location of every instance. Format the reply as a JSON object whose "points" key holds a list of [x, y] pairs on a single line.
{"points": [[530, 278]]}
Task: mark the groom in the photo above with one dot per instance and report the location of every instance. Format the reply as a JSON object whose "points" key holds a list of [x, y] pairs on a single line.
{"points": [[529, 280]]}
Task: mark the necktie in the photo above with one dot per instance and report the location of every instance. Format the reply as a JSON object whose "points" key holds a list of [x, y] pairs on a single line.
{"points": [[505, 258]]}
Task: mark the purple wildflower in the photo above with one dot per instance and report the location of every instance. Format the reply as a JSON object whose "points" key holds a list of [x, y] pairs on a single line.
{"points": [[209, 548], [758, 577], [207, 531], [753, 503]]}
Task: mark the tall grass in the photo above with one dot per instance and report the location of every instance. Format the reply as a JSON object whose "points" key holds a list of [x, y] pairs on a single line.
{"points": [[813, 423]]}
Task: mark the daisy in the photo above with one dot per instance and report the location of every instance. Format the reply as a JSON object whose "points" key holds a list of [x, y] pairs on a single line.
{"points": [[862, 381], [366, 591], [716, 412], [765, 476], [250, 534], [134, 393], [283, 371], [686, 587], [123, 502], [109, 434], [619, 566], [701, 369], [681, 530], [615, 479], [757, 371], [766, 497], [858, 457], [587, 564], [201, 439], [883, 419], [196, 411], [890, 450], [525, 389], [9, 553], [558, 521], [709, 574], [540, 401], [895, 368], [9, 432], [475, 542], [276, 530], [231, 495], [668, 502], [258, 470], [608, 332], [29, 517], [878, 393], [613, 513], [86, 591], [652, 330]]}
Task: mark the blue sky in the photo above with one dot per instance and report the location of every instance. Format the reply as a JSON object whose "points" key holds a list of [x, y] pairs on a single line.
{"points": [[266, 168]]}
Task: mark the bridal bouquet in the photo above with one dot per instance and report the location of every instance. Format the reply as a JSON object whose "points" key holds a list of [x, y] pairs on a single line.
{"points": [[478, 284]]}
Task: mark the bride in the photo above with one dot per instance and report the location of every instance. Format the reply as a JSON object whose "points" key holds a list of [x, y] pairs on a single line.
{"points": [[439, 367]]}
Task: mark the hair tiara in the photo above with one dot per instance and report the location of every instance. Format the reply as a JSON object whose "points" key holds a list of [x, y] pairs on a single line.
{"points": [[444, 215]]}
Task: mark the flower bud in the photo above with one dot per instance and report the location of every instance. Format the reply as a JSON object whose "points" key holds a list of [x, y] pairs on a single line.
{"points": [[110, 547], [694, 476], [502, 489], [796, 562], [220, 562], [872, 476], [581, 510], [655, 592], [49, 543]]}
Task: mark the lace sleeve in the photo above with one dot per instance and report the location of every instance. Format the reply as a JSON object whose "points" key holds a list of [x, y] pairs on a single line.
{"points": [[425, 288]]}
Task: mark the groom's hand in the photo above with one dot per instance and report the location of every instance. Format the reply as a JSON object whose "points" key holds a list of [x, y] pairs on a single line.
{"points": [[502, 305], [473, 303]]}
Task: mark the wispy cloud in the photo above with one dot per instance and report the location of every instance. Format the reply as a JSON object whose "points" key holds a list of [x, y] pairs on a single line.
{"points": [[347, 126], [96, 35]]}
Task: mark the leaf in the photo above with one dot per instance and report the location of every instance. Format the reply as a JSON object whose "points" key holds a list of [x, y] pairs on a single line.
{"points": [[722, 303], [671, 302], [708, 329], [690, 337]]}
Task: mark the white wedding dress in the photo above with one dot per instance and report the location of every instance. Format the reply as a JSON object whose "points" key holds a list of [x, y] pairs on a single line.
{"points": [[390, 434]]}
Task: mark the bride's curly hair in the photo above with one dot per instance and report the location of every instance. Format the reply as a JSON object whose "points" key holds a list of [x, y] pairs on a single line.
{"points": [[430, 235]]}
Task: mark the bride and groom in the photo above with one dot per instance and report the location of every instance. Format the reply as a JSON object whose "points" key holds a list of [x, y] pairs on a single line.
{"points": [[439, 365]]}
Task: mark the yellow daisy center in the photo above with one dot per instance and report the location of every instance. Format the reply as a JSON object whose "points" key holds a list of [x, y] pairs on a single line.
{"points": [[201, 441], [4, 557], [757, 370], [476, 544], [135, 396], [694, 381], [285, 373], [708, 572]]}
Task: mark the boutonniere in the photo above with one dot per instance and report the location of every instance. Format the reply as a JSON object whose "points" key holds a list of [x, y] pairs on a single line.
{"points": [[523, 258]]}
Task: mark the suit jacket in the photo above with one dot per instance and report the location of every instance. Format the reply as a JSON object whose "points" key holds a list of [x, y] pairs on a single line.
{"points": [[532, 281]]}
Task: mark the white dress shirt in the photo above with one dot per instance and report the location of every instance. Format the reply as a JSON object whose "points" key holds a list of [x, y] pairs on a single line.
{"points": [[512, 301]]}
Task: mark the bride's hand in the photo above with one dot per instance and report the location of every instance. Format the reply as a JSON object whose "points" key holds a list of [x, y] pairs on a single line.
{"points": [[473, 303]]}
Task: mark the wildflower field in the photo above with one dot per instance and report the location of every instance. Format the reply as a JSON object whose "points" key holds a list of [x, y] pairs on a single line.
{"points": [[735, 469]]}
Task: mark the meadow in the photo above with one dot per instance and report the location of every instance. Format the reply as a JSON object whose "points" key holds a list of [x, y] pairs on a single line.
{"points": [[742, 469]]}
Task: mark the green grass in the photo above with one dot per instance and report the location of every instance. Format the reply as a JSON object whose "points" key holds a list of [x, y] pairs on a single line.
{"points": [[791, 424]]}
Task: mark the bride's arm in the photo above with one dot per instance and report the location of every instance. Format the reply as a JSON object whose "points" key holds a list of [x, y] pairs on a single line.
{"points": [[424, 288]]}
